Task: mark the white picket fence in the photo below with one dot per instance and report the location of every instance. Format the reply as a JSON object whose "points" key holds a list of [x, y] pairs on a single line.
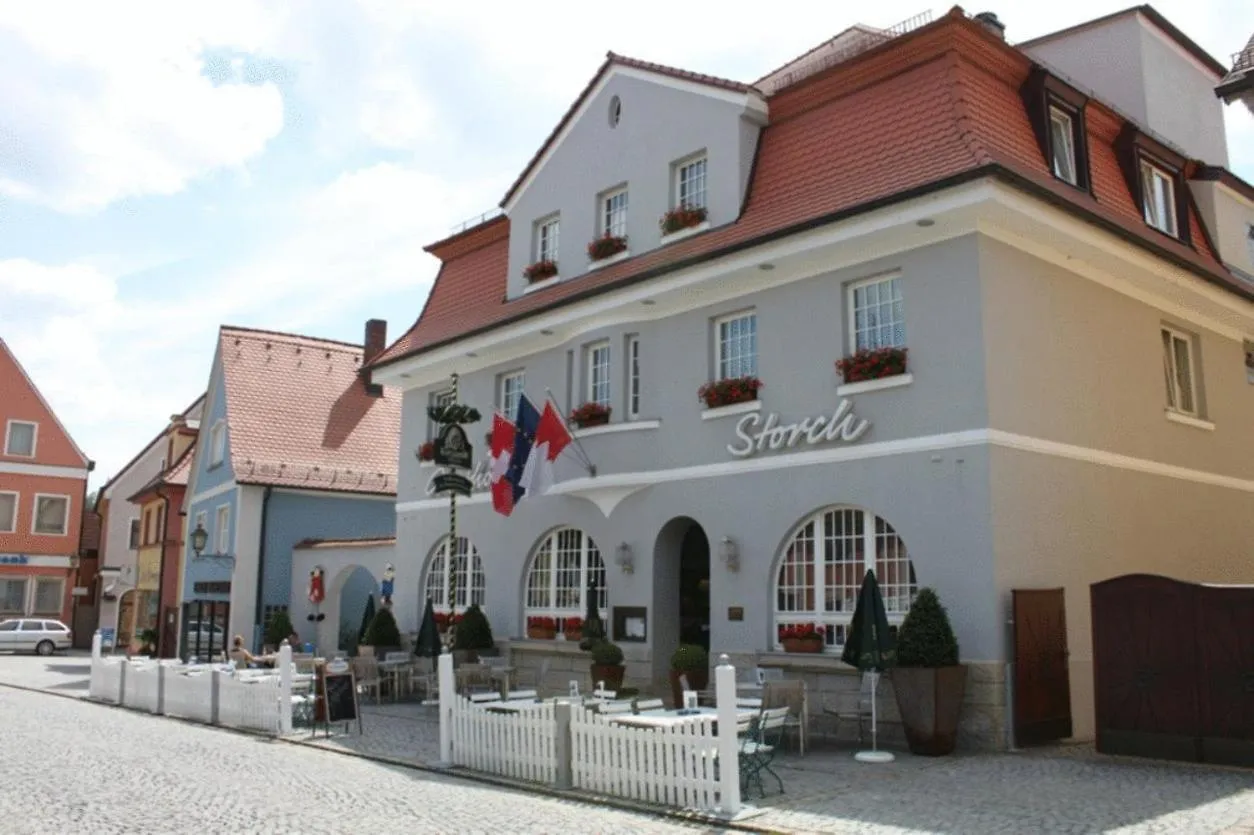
{"points": [[666, 766], [216, 694], [562, 743], [521, 745]]}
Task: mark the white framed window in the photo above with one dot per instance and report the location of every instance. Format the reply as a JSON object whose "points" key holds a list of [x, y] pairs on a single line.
{"points": [[133, 542], [876, 316], [222, 529], [467, 569], [52, 515], [614, 213], [511, 391], [20, 437], [547, 233], [48, 592], [12, 596], [820, 572], [1179, 370], [440, 398], [217, 443], [633, 377], [736, 345], [1158, 197], [599, 373], [8, 512], [690, 184], [564, 567], [1062, 144]]}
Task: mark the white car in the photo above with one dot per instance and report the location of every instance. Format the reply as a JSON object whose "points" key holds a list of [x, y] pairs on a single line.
{"points": [[29, 635], [205, 637]]}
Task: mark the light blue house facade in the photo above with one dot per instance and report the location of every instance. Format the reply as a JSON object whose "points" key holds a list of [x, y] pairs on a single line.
{"points": [[297, 447]]}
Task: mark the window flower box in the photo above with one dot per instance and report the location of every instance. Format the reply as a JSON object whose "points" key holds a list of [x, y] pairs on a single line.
{"points": [[606, 246], [872, 364], [540, 270], [590, 414], [541, 628], [443, 620], [728, 392], [682, 218], [426, 452], [572, 628], [805, 638]]}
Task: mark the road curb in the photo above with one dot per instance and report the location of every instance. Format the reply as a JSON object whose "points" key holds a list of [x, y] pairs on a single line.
{"points": [[472, 777]]}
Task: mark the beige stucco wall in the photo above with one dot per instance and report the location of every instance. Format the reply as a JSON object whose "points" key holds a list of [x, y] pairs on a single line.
{"points": [[1073, 362]]}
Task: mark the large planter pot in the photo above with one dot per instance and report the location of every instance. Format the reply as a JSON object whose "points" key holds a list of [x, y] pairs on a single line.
{"points": [[802, 645], [697, 680], [535, 633], [929, 700], [611, 674]]}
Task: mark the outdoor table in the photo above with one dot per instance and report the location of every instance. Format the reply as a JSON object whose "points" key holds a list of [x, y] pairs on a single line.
{"points": [[671, 718], [394, 670], [512, 706]]}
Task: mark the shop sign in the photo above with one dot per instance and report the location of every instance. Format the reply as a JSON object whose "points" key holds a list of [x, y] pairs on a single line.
{"points": [[842, 425], [452, 449], [480, 478], [446, 483], [14, 559]]}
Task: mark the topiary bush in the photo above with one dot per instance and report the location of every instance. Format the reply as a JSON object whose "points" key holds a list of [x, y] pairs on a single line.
{"points": [[474, 631], [690, 657], [279, 628], [926, 638], [607, 654], [382, 631]]}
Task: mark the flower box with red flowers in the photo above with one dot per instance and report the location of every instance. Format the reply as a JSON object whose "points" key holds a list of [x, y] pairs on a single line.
{"points": [[572, 628], [541, 628], [540, 270], [872, 364], [682, 218], [590, 414], [606, 246], [443, 620], [804, 637], [426, 452], [727, 392]]}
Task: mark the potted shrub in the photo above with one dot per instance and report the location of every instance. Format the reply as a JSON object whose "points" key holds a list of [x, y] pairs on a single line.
{"points": [[692, 662], [382, 635], [872, 364], [590, 414], [928, 680], [802, 637], [606, 246], [572, 629], [682, 218], [473, 634], [726, 392], [540, 270], [148, 642], [279, 629], [607, 664], [426, 452], [541, 628]]}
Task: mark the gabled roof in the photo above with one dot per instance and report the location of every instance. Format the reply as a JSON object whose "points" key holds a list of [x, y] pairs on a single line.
{"points": [[199, 401], [612, 60], [173, 476], [298, 414], [911, 118], [34, 390]]}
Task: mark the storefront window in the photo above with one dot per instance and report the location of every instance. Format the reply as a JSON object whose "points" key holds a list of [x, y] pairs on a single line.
{"points": [[566, 564], [470, 590], [821, 571]]}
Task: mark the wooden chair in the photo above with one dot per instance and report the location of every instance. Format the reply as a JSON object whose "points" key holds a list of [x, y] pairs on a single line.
{"points": [[854, 707], [366, 672], [532, 677], [423, 676], [758, 747], [790, 694]]}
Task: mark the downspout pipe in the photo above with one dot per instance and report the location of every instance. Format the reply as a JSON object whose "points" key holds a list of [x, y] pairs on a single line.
{"points": [[259, 626]]}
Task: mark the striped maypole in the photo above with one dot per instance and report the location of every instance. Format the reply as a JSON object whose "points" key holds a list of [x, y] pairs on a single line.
{"points": [[450, 562]]}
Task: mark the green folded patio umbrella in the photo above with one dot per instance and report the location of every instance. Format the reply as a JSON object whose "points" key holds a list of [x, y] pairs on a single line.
{"points": [[366, 617], [428, 644], [870, 647], [593, 629]]}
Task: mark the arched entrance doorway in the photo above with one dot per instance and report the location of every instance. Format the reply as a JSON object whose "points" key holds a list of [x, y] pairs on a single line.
{"points": [[350, 589], [681, 590]]}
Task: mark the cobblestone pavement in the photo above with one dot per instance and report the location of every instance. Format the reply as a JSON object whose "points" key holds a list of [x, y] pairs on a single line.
{"points": [[66, 673], [76, 767]]}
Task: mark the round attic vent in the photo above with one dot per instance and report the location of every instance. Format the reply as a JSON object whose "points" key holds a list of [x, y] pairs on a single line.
{"points": [[616, 111]]}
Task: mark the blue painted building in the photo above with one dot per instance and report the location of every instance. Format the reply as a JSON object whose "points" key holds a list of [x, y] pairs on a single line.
{"points": [[296, 445]]}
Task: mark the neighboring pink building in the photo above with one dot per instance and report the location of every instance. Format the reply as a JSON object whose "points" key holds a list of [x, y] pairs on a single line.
{"points": [[43, 485]]}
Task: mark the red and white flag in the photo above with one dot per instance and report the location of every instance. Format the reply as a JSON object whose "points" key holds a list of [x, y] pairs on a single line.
{"points": [[552, 437], [502, 450]]}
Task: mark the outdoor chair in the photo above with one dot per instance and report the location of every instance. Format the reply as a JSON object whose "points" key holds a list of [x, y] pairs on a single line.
{"points": [[475, 678], [602, 695], [854, 706], [758, 747], [613, 708], [366, 672], [790, 694], [649, 704], [424, 677], [532, 677]]}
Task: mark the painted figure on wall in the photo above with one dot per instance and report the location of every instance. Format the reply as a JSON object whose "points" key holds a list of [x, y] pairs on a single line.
{"points": [[389, 582], [317, 592]]}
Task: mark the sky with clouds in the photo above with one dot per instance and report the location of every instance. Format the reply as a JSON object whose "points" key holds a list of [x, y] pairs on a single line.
{"points": [[169, 167]]}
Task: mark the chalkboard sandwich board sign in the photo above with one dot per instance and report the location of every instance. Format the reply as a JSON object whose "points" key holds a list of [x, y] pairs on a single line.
{"points": [[338, 696]]}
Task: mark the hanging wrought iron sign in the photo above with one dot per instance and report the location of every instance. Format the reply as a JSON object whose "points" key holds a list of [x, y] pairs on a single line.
{"points": [[444, 484], [452, 447]]}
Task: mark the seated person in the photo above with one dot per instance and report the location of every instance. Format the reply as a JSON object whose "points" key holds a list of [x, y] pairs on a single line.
{"points": [[241, 656]]}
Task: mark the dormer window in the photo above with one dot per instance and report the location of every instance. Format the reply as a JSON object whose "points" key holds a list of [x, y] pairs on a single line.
{"points": [[1158, 198], [690, 184], [1062, 142], [1056, 111], [546, 239], [614, 213]]}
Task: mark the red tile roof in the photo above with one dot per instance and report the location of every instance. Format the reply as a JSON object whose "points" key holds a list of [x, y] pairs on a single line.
{"points": [[298, 414], [941, 104], [160, 436]]}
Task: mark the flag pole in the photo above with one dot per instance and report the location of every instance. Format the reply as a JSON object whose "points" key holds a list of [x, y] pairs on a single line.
{"points": [[587, 462]]}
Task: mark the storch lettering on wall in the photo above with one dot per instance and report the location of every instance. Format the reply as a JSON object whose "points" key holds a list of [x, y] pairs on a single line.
{"points": [[480, 478], [843, 425]]}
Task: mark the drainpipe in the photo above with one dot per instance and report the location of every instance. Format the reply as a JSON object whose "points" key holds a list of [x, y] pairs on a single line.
{"points": [[261, 563], [164, 533]]}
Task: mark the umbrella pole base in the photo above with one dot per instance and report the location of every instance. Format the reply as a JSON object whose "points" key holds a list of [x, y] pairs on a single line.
{"points": [[874, 757]]}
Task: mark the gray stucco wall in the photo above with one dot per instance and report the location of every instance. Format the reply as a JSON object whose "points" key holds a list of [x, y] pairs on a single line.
{"points": [[594, 157]]}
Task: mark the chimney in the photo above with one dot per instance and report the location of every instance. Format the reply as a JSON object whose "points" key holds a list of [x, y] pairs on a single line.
{"points": [[991, 23], [376, 340]]}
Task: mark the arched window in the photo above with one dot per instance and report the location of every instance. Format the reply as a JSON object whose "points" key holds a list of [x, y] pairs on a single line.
{"points": [[564, 565], [469, 583], [821, 571]]}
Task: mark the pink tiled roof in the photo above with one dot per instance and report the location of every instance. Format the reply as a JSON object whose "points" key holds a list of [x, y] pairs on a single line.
{"points": [[299, 415]]}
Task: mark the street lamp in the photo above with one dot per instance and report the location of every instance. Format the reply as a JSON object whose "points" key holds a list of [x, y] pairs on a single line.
{"points": [[200, 538]]}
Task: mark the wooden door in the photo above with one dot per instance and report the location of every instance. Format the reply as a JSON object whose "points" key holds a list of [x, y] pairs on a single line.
{"points": [[1042, 700]]}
